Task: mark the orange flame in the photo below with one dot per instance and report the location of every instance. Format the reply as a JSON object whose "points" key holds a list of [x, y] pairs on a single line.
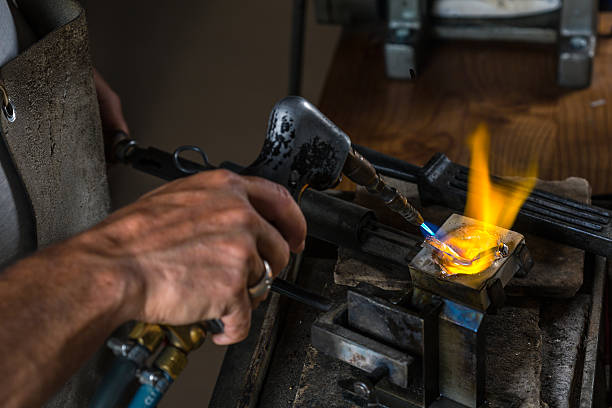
{"points": [[493, 203]]}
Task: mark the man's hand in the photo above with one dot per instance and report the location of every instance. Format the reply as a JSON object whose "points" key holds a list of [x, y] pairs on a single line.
{"points": [[191, 248], [183, 253]]}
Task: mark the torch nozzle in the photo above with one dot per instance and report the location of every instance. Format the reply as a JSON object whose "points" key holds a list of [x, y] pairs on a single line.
{"points": [[360, 170], [426, 230]]}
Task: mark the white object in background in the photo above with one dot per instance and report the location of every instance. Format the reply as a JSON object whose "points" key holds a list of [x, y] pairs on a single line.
{"points": [[493, 8]]}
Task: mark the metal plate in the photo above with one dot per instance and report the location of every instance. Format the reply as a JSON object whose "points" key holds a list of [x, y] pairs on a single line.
{"points": [[329, 336]]}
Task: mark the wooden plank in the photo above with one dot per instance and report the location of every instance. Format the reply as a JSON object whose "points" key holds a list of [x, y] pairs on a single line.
{"points": [[511, 87]]}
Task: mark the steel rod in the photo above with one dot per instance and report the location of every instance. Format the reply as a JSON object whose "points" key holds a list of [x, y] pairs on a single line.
{"points": [[301, 295]]}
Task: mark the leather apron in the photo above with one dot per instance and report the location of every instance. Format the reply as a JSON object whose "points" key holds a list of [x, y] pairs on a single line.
{"points": [[55, 141]]}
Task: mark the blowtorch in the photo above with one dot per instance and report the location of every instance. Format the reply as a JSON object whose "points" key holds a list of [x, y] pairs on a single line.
{"points": [[302, 149]]}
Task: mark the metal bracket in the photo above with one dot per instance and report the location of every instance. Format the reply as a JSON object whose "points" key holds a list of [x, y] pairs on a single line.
{"points": [[577, 41], [407, 22], [430, 347], [331, 336]]}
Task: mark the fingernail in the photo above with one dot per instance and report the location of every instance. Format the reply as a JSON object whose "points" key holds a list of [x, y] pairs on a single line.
{"points": [[219, 339]]}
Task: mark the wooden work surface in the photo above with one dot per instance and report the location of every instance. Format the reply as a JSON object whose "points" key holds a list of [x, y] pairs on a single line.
{"points": [[510, 87]]}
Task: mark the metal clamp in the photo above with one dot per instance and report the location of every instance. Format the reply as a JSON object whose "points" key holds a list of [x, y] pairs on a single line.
{"points": [[406, 31], [577, 41], [128, 349], [155, 378]]}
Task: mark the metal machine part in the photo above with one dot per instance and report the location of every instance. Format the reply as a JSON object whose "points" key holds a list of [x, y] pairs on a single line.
{"points": [[478, 291], [304, 148], [571, 24], [577, 40], [407, 25], [493, 8], [428, 337], [416, 349], [331, 335]]}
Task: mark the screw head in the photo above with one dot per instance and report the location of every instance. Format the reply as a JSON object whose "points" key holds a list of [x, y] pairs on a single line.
{"points": [[362, 389], [402, 34], [578, 43]]}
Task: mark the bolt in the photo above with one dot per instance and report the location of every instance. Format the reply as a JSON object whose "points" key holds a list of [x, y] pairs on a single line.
{"points": [[402, 34], [578, 43], [408, 13], [361, 389]]}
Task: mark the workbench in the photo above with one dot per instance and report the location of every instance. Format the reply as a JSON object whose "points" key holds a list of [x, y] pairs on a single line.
{"points": [[512, 88]]}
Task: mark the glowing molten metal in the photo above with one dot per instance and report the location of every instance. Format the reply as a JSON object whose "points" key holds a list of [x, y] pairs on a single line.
{"points": [[495, 204]]}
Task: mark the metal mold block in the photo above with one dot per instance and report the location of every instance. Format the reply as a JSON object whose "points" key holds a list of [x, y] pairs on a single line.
{"points": [[479, 290], [409, 325]]}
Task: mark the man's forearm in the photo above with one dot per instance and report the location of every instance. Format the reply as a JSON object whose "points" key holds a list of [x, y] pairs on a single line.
{"points": [[56, 309], [183, 253]]}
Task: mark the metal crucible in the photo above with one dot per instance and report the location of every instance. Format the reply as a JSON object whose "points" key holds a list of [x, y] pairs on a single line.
{"points": [[477, 290]]}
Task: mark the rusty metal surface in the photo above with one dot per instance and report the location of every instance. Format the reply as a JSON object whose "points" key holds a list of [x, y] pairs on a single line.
{"points": [[331, 336], [513, 355], [592, 390], [563, 325]]}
